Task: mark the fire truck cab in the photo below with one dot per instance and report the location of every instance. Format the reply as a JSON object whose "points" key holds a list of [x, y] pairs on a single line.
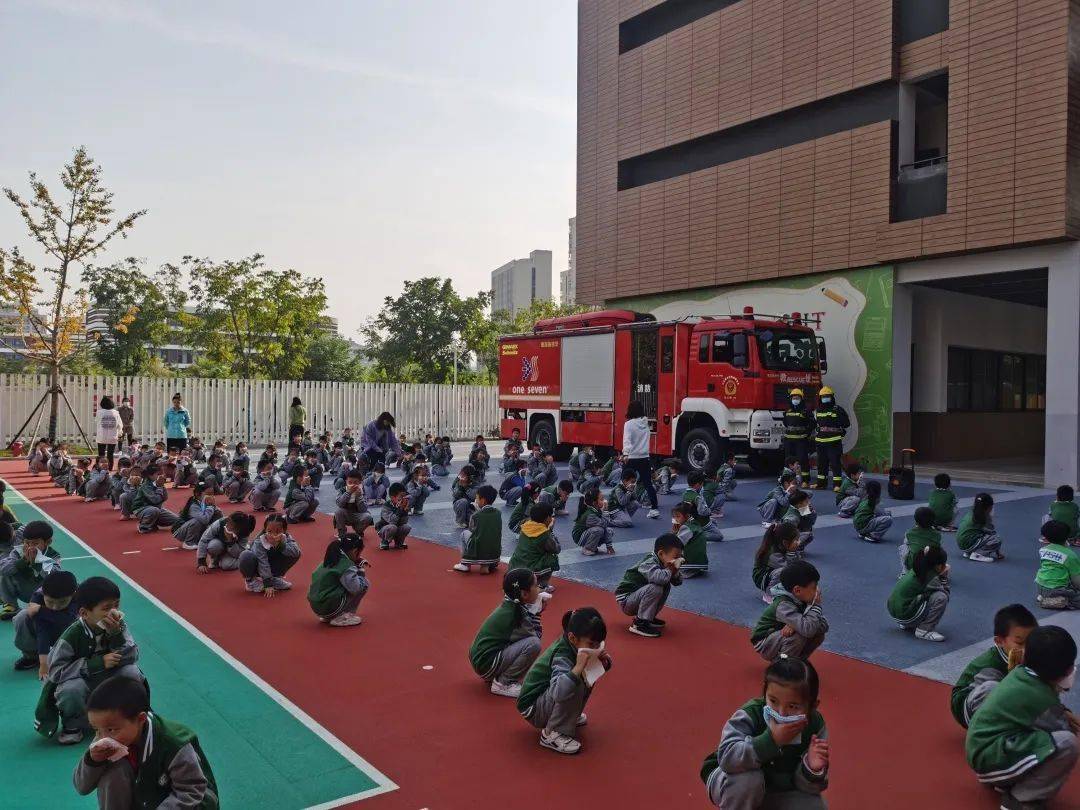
{"points": [[709, 385]]}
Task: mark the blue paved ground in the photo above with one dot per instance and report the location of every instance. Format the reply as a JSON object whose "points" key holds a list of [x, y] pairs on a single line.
{"points": [[857, 577]]}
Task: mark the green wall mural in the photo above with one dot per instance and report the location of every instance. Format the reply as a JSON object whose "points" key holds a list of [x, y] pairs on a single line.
{"points": [[855, 308]]}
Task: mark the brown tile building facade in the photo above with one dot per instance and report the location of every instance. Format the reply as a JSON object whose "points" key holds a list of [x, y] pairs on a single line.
{"points": [[735, 145], [824, 203]]}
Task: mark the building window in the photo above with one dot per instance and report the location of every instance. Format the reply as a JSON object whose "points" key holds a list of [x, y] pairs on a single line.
{"points": [[922, 149], [918, 19], [532, 289], [981, 380]]}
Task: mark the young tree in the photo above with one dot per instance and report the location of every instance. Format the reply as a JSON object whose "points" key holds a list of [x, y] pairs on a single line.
{"points": [[330, 357], [70, 230], [137, 311], [258, 320], [416, 329]]}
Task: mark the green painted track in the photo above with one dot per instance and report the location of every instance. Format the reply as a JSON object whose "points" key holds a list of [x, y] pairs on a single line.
{"points": [[262, 753]]}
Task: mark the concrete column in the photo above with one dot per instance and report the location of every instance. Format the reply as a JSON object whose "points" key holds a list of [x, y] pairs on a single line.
{"points": [[901, 349], [1062, 464]]}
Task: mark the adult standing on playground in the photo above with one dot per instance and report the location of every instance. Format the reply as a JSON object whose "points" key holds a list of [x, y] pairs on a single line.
{"points": [[379, 438], [109, 426], [798, 425], [177, 424], [635, 445], [127, 424], [832, 424], [297, 419]]}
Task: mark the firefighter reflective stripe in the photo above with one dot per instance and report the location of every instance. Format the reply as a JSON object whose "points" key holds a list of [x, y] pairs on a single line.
{"points": [[796, 425], [831, 425]]}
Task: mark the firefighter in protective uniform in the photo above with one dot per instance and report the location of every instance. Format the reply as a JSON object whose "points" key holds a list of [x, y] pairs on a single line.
{"points": [[831, 426], [798, 427]]}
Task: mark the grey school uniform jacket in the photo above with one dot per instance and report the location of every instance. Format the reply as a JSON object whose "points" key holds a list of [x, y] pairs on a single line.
{"points": [[64, 666], [234, 546]]}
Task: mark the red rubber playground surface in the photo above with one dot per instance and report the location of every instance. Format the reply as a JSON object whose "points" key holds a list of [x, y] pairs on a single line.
{"points": [[448, 743]]}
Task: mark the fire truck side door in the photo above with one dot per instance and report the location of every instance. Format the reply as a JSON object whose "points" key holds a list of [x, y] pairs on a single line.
{"points": [[668, 398]]}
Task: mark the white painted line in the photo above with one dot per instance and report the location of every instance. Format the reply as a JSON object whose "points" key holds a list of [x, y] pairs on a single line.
{"points": [[384, 783], [170, 548], [80, 557], [125, 552]]}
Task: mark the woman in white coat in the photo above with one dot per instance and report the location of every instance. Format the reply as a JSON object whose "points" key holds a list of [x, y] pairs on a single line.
{"points": [[635, 445], [108, 428]]}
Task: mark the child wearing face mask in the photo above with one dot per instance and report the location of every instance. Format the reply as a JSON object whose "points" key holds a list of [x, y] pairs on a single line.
{"points": [[266, 488], [774, 751], [801, 514], [852, 491], [1012, 626], [375, 485], [558, 685], [1022, 740], [223, 542], [508, 642], [481, 543], [976, 535], [776, 502], [198, 513], [694, 540], [793, 624]]}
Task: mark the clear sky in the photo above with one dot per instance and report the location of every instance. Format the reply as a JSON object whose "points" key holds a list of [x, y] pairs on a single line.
{"points": [[364, 141]]}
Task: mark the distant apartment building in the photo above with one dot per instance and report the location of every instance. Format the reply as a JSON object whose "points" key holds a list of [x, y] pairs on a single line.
{"points": [[568, 277], [519, 282]]}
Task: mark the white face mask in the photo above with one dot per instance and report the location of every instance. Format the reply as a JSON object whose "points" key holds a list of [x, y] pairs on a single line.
{"points": [[1066, 683], [804, 510], [796, 401]]}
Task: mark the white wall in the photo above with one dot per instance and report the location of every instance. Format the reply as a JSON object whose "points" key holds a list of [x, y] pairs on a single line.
{"points": [[941, 318]]}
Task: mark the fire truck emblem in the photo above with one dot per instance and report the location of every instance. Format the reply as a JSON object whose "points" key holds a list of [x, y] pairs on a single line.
{"points": [[530, 368], [731, 386]]}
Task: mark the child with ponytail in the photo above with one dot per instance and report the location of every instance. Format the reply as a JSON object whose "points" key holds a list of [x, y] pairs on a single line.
{"points": [[774, 751], [976, 535], [508, 642], [919, 598], [871, 521], [340, 582], [557, 686], [223, 542], [779, 546], [198, 513], [592, 528]]}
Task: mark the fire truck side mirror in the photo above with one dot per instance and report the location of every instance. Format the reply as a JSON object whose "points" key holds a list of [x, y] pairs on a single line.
{"points": [[823, 360], [741, 350]]}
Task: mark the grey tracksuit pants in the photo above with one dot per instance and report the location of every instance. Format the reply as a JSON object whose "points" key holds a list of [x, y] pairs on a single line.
{"points": [[125, 501], [345, 519], [1071, 595], [238, 490], [249, 565], [746, 790], [15, 588], [989, 543], [592, 539], [215, 550], [463, 509], [930, 613], [391, 533], [770, 510], [1042, 782], [513, 495], [515, 659], [646, 602], [98, 490], [559, 708], [301, 510], [192, 530], [151, 517], [264, 500], [25, 636], [776, 644], [847, 506], [875, 529]]}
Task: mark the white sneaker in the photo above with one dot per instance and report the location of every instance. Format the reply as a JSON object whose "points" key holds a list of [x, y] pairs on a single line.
{"points": [[187, 545], [559, 743], [510, 690], [929, 635], [588, 552], [977, 557], [582, 719], [279, 584], [766, 599], [462, 567], [345, 620], [765, 524], [255, 585], [653, 513]]}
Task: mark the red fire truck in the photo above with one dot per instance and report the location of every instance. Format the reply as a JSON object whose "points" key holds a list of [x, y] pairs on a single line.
{"points": [[708, 384]]}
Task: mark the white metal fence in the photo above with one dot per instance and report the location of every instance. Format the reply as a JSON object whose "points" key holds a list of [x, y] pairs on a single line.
{"points": [[255, 411]]}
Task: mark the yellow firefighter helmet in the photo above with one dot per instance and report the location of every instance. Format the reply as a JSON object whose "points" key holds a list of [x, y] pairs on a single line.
{"points": [[795, 392], [825, 391]]}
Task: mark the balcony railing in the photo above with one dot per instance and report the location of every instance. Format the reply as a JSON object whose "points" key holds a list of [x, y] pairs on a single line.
{"points": [[922, 189]]}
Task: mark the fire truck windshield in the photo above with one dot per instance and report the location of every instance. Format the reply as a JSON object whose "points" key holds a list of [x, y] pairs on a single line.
{"points": [[784, 350]]}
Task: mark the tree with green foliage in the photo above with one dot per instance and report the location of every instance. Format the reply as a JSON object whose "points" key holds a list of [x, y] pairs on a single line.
{"points": [[413, 335], [69, 230], [138, 312], [330, 357], [255, 320], [481, 335]]}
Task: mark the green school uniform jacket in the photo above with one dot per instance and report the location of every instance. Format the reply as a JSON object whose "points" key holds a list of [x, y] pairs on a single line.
{"points": [[917, 539], [968, 533], [943, 502], [1069, 514], [32, 571], [579, 522], [484, 545], [709, 490], [147, 495], [991, 664], [695, 547], [162, 742], [520, 512], [691, 496], [907, 597], [636, 577], [1059, 567], [778, 765], [802, 522], [769, 623], [847, 489], [326, 591], [493, 636], [1007, 735], [862, 515], [537, 549], [538, 678]]}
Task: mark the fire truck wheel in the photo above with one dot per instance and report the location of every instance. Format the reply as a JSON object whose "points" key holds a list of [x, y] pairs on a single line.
{"points": [[701, 449], [543, 434]]}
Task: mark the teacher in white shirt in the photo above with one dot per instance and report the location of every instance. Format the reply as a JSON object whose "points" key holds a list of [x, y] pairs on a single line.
{"points": [[635, 445], [108, 428]]}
